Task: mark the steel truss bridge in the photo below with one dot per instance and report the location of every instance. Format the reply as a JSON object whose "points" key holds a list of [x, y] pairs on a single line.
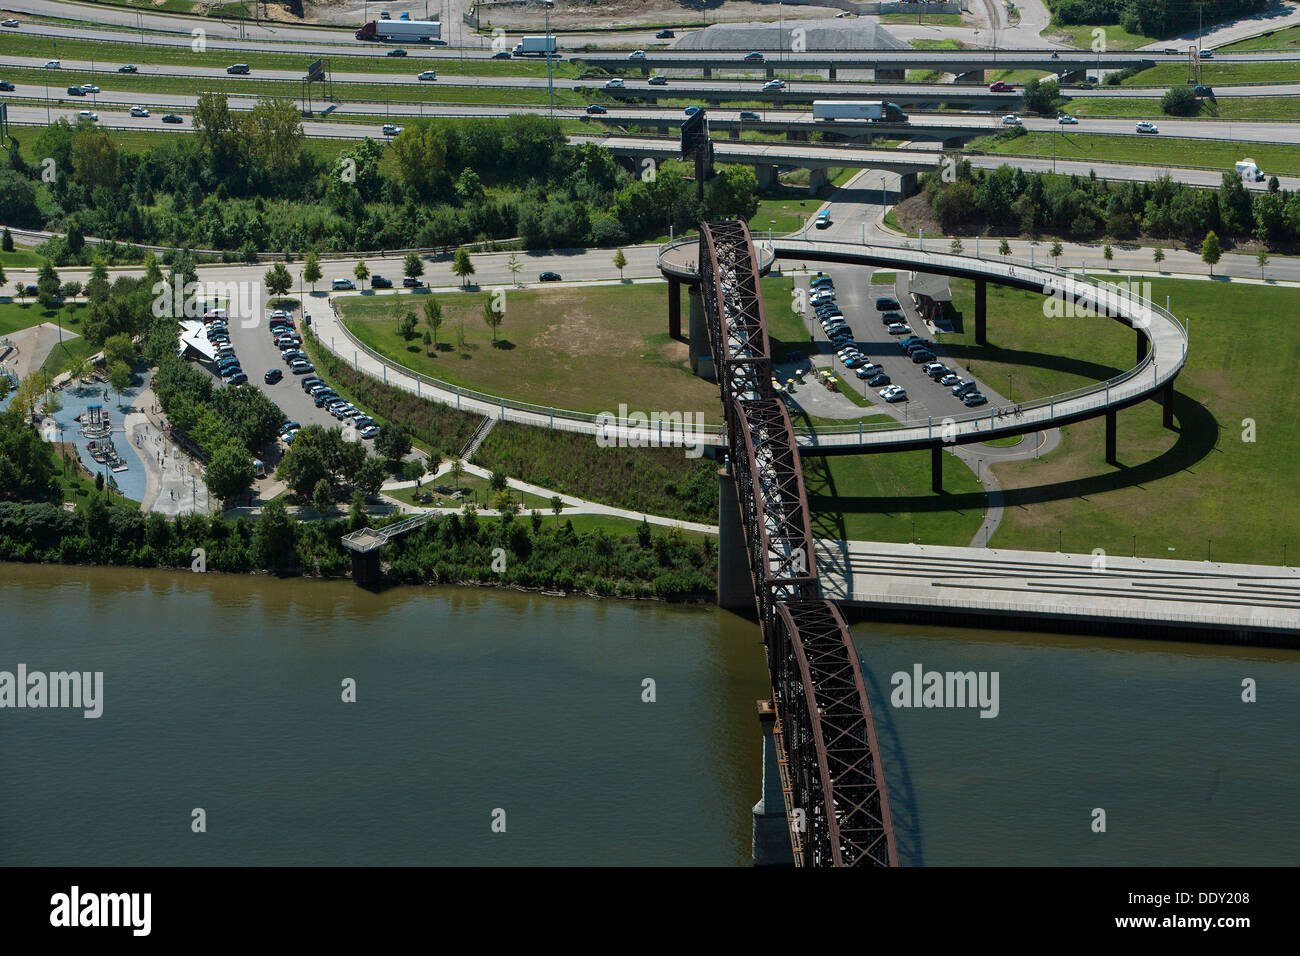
{"points": [[837, 805]]}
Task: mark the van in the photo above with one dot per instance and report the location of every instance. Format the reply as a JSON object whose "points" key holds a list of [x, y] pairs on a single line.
{"points": [[241, 68], [343, 284], [1248, 170]]}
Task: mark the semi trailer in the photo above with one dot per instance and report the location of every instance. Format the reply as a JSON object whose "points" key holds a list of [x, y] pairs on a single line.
{"points": [[410, 31], [873, 110]]}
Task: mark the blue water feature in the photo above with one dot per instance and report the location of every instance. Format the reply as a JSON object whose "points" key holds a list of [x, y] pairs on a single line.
{"points": [[76, 400]]}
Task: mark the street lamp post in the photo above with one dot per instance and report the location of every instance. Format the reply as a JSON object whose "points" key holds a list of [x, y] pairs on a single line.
{"points": [[550, 87]]}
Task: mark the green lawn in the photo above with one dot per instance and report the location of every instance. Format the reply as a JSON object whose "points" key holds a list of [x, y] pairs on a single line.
{"points": [[17, 315], [1288, 38], [1215, 74], [947, 43], [1082, 36], [63, 357], [926, 19], [586, 348], [1175, 489], [1153, 150], [1228, 108], [471, 483], [21, 259], [789, 209]]}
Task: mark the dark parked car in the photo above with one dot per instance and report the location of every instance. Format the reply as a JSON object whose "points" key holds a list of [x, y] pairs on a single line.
{"points": [[878, 380], [886, 304], [410, 282], [238, 378], [273, 376], [380, 282], [548, 277]]}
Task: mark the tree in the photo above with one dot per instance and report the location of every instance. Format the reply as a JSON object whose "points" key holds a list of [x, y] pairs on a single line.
{"points": [[413, 268], [1158, 256], [1211, 252], [69, 290], [311, 273], [461, 265], [1107, 253], [433, 317], [6, 240], [393, 443], [278, 281], [1180, 101], [620, 261], [361, 271], [274, 537], [370, 477], [956, 247], [357, 513], [1004, 248], [119, 376], [47, 286], [229, 473], [557, 505], [428, 343], [119, 349], [21, 286], [1057, 250], [406, 327], [97, 286], [457, 471], [492, 317], [322, 497], [1261, 258], [514, 266], [498, 480]]}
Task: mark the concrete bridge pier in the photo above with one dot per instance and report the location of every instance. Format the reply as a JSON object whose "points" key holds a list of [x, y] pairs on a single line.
{"points": [[981, 312], [365, 568], [1142, 346], [708, 72], [769, 72], [936, 469], [771, 845], [1112, 426], [735, 589], [1167, 398], [733, 133], [701, 350], [796, 136], [1073, 76], [817, 178], [890, 76], [906, 185], [674, 309], [766, 175]]}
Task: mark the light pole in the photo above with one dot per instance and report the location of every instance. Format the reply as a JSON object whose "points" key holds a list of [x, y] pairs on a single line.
{"points": [[550, 87], [882, 195]]}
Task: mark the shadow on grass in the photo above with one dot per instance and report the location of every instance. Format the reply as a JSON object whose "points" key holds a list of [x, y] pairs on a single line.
{"points": [[1198, 434], [1094, 371]]}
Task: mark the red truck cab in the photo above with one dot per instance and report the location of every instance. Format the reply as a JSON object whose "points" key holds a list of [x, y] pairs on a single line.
{"points": [[1001, 86], [367, 31]]}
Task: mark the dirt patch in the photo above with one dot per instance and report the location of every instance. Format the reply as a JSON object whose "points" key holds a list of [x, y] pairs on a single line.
{"points": [[614, 14], [915, 213], [578, 331]]}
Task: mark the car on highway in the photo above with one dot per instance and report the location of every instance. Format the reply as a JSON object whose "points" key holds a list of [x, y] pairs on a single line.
{"points": [[548, 277], [893, 393], [615, 83], [658, 80], [343, 284], [749, 116], [89, 88], [172, 118], [76, 91], [428, 75], [1147, 127], [395, 53], [127, 68], [139, 111], [9, 23], [823, 220], [595, 109], [6, 86], [1171, 51], [691, 110], [665, 35], [391, 130], [753, 57], [1001, 86], [240, 69], [89, 115], [636, 55], [410, 282], [1011, 119], [1205, 54], [380, 282], [53, 64], [501, 55], [272, 376], [775, 84], [971, 399], [886, 304], [1065, 119], [898, 328]]}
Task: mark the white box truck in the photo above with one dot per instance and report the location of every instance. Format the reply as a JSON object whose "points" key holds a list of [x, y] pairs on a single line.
{"points": [[409, 31], [535, 46], [1248, 171], [873, 110]]}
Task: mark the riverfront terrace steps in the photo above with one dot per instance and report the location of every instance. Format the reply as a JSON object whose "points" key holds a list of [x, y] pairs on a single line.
{"points": [[836, 802]]}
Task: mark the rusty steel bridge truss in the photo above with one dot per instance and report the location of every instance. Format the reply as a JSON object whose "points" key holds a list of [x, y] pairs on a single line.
{"points": [[836, 802]]}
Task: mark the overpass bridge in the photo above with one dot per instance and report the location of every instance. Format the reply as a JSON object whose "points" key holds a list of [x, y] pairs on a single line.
{"points": [[906, 95]]}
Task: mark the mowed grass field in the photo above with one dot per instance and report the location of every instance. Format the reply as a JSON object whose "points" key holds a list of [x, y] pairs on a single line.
{"points": [[1175, 490], [1150, 150], [1226, 108], [1288, 38], [584, 348]]}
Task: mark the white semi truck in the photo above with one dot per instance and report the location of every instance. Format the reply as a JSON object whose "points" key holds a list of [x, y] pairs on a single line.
{"points": [[873, 110], [410, 31], [535, 46]]}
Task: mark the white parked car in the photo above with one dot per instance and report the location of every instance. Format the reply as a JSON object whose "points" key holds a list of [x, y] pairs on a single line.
{"points": [[139, 111], [1011, 119]]}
